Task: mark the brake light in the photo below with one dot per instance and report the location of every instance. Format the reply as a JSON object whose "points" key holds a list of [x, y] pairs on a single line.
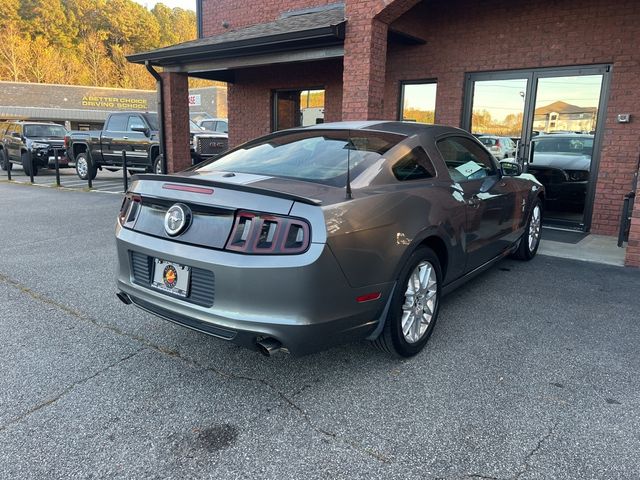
{"points": [[66, 141], [257, 233], [129, 210]]}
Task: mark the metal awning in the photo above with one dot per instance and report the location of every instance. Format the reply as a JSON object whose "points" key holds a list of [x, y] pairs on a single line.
{"points": [[38, 113], [297, 36]]}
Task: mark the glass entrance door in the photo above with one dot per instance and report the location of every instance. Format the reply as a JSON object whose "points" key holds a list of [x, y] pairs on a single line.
{"points": [[565, 121], [553, 116]]}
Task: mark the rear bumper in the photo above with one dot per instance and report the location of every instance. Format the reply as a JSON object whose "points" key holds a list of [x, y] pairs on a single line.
{"points": [[303, 301]]}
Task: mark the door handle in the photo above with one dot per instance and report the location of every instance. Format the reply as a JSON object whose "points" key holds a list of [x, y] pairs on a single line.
{"points": [[125, 138]]}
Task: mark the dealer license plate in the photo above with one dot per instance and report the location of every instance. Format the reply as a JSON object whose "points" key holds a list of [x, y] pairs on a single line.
{"points": [[171, 277]]}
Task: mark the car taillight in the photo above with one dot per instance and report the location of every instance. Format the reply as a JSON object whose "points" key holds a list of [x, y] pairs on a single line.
{"points": [[129, 210], [258, 234], [66, 141]]}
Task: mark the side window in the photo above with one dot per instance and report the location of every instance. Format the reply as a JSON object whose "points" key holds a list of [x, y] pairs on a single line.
{"points": [[208, 124], [135, 122], [415, 165], [117, 123], [465, 159], [222, 127], [418, 101]]}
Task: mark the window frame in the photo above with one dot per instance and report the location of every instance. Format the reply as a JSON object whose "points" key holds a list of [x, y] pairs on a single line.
{"points": [[275, 92], [401, 95]]}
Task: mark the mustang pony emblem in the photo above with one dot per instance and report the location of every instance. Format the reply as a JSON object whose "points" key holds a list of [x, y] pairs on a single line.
{"points": [[177, 219]]}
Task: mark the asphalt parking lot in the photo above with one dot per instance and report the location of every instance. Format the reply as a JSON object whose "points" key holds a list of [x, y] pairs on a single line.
{"points": [[531, 373]]}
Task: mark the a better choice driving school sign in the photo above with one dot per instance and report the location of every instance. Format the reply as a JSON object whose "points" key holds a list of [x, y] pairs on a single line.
{"points": [[114, 103]]}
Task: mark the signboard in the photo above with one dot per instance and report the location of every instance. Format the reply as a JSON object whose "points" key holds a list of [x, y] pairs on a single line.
{"points": [[114, 103], [195, 100]]}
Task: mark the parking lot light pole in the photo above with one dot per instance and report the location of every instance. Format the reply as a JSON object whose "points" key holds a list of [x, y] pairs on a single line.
{"points": [[125, 180]]}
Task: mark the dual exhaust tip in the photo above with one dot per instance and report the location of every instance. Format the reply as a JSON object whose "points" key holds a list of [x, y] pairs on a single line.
{"points": [[266, 346]]}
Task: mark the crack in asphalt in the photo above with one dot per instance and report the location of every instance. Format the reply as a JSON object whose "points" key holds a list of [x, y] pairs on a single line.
{"points": [[68, 390], [175, 354], [534, 451], [525, 465]]}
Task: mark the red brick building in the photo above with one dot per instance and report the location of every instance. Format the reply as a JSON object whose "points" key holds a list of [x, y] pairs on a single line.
{"points": [[483, 66]]}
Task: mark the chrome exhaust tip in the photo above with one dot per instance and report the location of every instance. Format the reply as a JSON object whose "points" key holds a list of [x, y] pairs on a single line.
{"points": [[124, 298], [268, 346]]}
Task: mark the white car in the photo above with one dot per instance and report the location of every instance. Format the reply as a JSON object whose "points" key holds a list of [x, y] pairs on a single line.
{"points": [[500, 147]]}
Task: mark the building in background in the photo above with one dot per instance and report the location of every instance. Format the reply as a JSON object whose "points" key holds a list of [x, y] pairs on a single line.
{"points": [[86, 108]]}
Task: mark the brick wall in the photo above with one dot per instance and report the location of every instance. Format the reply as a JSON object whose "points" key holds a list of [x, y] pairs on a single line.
{"points": [[241, 14], [464, 36], [249, 99]]}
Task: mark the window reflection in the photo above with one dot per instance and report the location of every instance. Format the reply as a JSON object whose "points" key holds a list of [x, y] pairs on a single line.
{"points": [[419, 102], [498, 107]]}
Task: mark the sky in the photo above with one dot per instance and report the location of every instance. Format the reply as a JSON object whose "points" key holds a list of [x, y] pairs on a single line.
{"points": [[186, 4]]}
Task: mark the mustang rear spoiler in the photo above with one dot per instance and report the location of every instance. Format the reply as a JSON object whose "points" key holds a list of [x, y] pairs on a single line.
{"points": [[227, 186]]}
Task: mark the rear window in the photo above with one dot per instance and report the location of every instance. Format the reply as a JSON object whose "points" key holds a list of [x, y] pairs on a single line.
{"points": [[44, 131], [489, 142], [318, 156]]}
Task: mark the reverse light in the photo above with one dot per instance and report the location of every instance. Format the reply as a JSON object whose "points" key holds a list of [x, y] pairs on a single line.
{"points": [[129, 210], [258, 234]]}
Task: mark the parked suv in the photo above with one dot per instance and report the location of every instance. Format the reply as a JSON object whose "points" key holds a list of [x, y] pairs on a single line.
{"points": [[32, 145]]}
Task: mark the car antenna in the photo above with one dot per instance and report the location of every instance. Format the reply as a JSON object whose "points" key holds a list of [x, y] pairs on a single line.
{"points": [[349, 196]]}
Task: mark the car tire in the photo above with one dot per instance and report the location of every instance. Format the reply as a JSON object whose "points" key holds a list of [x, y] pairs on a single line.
{"points": [[530, 240], [4, 160], [157, 165], [84, 167], [412, 317], [27, 165]]}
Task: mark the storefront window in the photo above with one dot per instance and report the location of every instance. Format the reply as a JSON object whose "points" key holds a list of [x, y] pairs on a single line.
{"points": [[418, 101]]}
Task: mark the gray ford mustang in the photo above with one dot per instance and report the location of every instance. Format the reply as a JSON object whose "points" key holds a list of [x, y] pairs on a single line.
{"points": [[312, 237]]}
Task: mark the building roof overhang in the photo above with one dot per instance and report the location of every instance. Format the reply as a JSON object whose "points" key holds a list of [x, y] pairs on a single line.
{"points": [[315, 32]]}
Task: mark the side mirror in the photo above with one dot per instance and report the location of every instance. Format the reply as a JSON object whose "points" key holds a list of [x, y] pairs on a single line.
{"points": [[510, 169], [140, 129]]}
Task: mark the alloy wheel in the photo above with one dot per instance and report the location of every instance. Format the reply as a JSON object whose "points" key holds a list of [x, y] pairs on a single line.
{"points": [[534, 228], [420, 299], [82, 167]]}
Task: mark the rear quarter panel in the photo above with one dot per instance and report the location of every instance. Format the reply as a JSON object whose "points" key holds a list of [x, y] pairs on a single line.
{"points": [[372, 236]]}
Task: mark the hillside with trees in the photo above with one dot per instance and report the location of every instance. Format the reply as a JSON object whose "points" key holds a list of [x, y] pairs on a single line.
{"points": [[84, 42]]}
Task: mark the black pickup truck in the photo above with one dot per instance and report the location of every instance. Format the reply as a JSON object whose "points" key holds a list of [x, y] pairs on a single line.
{"points": [[136, 133]]}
